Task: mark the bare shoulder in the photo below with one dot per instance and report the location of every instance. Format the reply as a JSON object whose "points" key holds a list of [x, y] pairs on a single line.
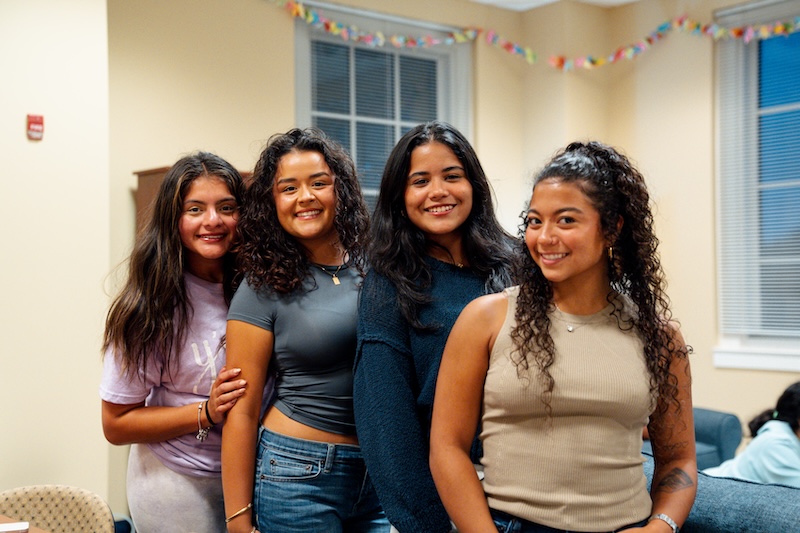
{"points": [[488, 307], [673, 329], [482, 319]]}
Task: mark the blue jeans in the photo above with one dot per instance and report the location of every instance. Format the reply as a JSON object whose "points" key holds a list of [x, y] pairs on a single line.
{"points": [[507, 523], [304, 485]]}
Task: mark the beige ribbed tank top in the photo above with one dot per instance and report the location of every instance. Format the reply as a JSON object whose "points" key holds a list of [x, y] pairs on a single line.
{"points": [[582, 469]]}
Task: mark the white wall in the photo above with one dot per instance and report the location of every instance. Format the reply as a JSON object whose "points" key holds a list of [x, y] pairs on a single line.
{"points": [[56, 221]]}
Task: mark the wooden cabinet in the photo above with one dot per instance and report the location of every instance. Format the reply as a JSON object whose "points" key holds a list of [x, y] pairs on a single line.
{"points": [[148, 182]]}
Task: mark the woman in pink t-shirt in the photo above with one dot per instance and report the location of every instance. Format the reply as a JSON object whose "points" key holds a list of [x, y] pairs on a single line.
{"points": [[165, 388]]}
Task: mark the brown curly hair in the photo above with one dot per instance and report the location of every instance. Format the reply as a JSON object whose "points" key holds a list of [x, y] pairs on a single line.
{"points": [[617, 191], [269, 256]]}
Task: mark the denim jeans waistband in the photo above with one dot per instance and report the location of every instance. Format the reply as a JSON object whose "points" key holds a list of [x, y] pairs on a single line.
{"points": [[325, 451], [520, 525]]}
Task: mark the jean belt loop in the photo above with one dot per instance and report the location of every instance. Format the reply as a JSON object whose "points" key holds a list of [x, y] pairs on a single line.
{"points": [[329, 458]]}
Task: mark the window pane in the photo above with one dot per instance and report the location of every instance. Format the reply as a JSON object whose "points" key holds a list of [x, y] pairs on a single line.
{"points": [[336, 129], [780, 293], [759, 179], [330, 77], [779, 145], [779, 63], [418, 93], [374, 84], [780, 222], [374, 142]]}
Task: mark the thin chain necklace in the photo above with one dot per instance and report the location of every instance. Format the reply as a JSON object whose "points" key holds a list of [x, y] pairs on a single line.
{"points": [[570, 327], [450, 261], [334, 275]]}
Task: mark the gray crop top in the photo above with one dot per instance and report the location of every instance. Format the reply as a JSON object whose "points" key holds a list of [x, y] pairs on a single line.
{"points": [[314, 346]]}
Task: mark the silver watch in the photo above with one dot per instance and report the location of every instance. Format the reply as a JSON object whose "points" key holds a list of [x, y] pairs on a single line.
{"points": [[667, 519]]}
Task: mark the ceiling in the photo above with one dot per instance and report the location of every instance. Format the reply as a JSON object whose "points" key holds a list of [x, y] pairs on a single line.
{"points": [[524, 5]]}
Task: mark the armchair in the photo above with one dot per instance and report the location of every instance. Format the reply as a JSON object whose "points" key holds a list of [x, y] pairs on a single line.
{"points": [[717, 435]]}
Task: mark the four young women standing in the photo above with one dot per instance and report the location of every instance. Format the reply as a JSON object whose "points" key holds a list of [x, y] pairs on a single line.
{"points": [[574, 360]]}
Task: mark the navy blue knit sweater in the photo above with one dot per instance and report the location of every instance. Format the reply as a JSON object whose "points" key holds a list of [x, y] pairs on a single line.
{"points": [[395, 378]]}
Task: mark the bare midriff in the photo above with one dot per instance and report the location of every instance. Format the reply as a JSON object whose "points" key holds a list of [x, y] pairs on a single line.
{"points": [[278, 422]]}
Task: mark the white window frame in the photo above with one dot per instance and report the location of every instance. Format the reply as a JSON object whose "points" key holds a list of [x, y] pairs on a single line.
{"points": [[745, 351], [454, 64]]}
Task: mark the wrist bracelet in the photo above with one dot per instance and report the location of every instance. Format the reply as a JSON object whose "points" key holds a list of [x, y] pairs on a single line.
{"points": [[208, 416], [240, 512], [670, 522], [202, 433]]}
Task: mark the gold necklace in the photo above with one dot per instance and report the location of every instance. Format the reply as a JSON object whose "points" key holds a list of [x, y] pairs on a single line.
{"points": [[334, 275]]}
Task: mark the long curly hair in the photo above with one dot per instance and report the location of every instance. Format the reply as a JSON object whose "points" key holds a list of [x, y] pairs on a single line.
{"points": [[617, 191], [399, 247], [269, 256], [150, 314]]}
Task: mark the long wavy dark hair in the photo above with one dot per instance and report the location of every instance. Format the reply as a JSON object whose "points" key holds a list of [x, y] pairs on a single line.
{"points": [[617, 191], [786, 410], [269, 256], [399, 248], [151, 312]]}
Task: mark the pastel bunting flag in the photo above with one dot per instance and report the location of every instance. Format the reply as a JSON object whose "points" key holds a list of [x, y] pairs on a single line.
{"points": [[747, 34]]}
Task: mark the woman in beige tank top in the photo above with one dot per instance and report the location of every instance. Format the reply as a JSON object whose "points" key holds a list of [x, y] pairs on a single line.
{"points": [[565, 370]]}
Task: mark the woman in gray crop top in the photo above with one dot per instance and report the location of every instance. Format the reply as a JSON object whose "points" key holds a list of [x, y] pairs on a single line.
{"points": [[298, 467], [565, 370]]}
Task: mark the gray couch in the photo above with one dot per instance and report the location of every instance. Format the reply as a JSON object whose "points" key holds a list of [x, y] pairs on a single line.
{"points": [[725, 505]]}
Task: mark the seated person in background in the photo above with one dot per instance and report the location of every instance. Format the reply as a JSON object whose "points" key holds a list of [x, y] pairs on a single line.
{"points": [[773, 456]]}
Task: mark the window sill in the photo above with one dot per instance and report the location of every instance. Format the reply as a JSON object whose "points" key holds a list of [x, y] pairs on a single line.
{"points": [[757, 355]]}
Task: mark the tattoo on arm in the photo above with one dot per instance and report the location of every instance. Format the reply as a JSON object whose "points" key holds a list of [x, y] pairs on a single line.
{"points": [[675, 480]]}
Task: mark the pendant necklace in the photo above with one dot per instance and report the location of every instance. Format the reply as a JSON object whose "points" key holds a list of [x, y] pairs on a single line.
{"points": [[570, 327], [334, 275]]}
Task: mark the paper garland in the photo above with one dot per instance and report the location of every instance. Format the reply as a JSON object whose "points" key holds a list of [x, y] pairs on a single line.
{"points": [[353, 33], [716, 32], [376, 38], [511, 48]]}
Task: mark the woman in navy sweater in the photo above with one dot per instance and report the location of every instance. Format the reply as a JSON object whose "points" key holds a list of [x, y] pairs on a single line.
{"points": [[436, 246]]}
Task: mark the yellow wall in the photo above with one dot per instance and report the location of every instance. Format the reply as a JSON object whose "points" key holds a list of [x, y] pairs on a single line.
{"points": [[189, 75], [205, 74], [55, 210]]}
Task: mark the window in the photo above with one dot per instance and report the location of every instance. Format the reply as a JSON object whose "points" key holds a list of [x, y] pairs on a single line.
{"points": [[759, 192], [368, 97]]}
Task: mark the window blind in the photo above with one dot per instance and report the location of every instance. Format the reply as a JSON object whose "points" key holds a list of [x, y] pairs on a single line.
{"points": [[759, 176], [368, 97]]}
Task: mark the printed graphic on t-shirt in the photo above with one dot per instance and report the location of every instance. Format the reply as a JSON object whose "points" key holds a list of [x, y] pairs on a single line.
{"points": [[208, 361]]}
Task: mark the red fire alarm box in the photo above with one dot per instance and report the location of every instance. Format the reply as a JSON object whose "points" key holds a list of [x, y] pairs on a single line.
{"points": [[35, 127]]}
